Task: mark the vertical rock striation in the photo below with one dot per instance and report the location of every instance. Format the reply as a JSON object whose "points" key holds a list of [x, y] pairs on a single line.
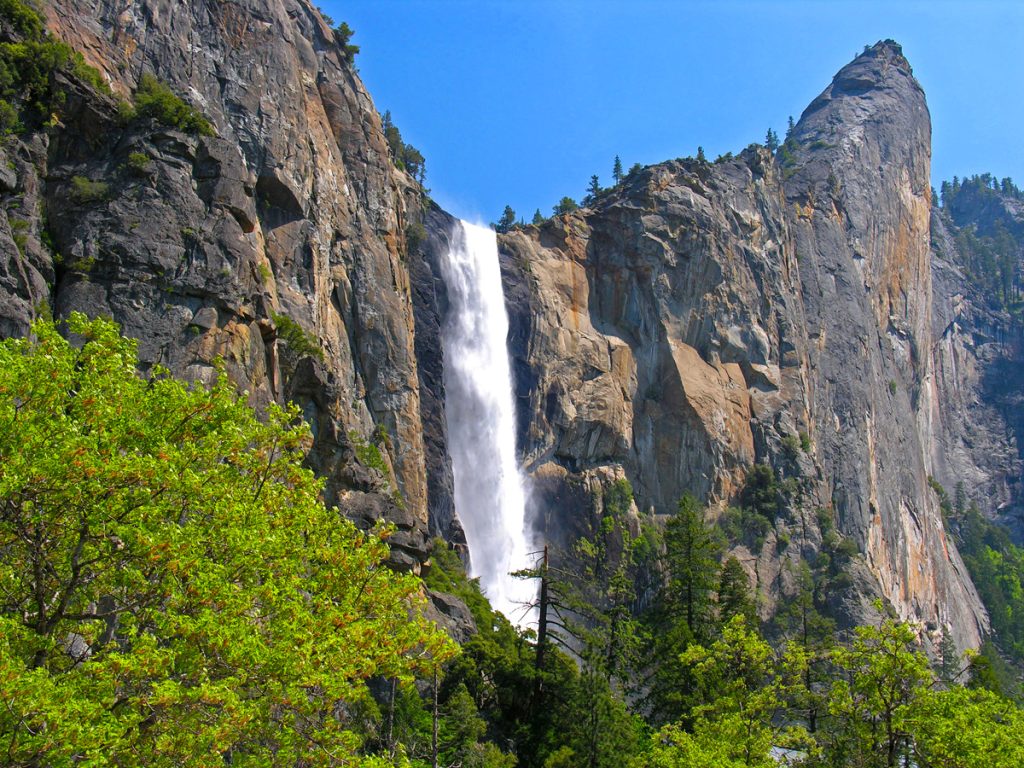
{"points": [[700, 317], [278, 245]]}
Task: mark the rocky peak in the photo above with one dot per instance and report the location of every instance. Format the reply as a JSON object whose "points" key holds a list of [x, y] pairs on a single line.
{"points": [[705, 317]]}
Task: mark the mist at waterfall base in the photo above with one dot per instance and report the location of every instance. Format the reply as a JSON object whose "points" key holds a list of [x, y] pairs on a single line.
{"points": [[490, 499]]}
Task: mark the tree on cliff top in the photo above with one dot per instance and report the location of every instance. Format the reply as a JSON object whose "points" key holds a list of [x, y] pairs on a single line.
{"points": [[172, 589]]}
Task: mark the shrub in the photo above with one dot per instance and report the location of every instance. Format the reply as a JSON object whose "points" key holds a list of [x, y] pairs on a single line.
{"points": [[265, 273], [138, 162], [299, 341], [155, 100], [23, 18], [85, 191], [791, 447]]}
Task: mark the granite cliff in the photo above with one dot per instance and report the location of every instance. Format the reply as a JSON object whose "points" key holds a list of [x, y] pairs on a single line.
{"points": [[701, 318], [278, 244], [696, 320]]}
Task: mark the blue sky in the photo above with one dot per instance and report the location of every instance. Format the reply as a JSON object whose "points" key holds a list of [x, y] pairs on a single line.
{"points": [[520, 102]]}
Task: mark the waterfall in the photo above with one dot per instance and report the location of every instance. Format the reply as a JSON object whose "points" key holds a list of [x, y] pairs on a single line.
{"points": [[490, 500]]}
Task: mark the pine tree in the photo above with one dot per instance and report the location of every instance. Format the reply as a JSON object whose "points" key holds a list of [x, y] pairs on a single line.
{"points": [[734, 593], [507, 220], [771, 140], [700, 155], [565, 205], [538, 217], [593, 190], [617, 170]]}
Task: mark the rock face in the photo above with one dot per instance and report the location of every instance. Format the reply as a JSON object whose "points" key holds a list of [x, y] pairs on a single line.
{"points": [[695, 320], [979, 366], [279, 245], [702, 317]]}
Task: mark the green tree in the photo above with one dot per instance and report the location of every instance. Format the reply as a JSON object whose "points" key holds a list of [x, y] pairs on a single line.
{"points": [[593, 190], [692, 549], [684, 612], [173, 589], [744, 687], [617, 171], [881, 674], [538, 217], [734, 597], [964, 728], [771, 140], [507, 220], [565, 205], [800, 621], [701, 158], [343, 33]]}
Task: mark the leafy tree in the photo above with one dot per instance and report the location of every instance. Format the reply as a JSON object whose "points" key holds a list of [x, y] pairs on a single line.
{"points": [[617, 175], [800, 621], [634, 169], [565, 205], [964, 728], [882, 672], [507, 220], [172, 589], [744, 686]]}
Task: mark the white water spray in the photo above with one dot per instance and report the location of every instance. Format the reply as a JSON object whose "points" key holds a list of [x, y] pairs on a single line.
{"points": [[489, 497]]}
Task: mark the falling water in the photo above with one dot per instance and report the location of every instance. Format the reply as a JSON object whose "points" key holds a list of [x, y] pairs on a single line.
{"points": [[489, 496]]}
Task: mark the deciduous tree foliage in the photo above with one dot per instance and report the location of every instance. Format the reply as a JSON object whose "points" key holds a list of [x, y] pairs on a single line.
{"points": [[172, 589]]}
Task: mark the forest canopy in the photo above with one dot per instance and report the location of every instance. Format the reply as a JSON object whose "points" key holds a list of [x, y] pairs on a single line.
{"points": [[172, 589]]}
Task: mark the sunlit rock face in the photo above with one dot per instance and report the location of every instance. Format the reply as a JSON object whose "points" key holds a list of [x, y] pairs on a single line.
{"points": [[702, 317], [695, 320]]}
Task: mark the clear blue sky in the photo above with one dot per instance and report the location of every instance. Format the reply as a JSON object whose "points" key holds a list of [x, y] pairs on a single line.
{"points": [[520, 102]]}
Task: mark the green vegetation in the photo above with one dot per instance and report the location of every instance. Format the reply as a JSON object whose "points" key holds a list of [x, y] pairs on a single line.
{"points": [[297, 342], [342, 34], [415, 235], [174, 592], [405, 156], [990, 251], [138, 162], [594, 189], [29, 62], [996, 566], [507, 220], [368, 454], [86, 191], [565, 205], [201, 606], [157, 101]]}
